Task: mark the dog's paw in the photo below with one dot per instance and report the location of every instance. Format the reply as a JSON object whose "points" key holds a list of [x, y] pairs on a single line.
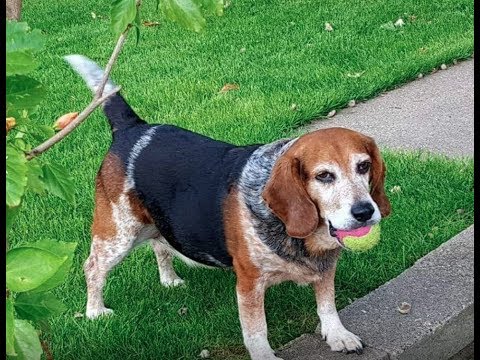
{"points": [[344, 341], [172, 281], [95, 313]]}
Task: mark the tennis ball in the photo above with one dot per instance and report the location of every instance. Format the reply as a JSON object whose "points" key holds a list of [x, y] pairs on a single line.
{"points": [[365, 242]]}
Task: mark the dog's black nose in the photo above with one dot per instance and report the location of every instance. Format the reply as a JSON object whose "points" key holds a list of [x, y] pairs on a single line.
{"points": [[362, 211]]}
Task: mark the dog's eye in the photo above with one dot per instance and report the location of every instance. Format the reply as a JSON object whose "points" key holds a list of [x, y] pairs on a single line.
{"points": [[325, 177], [363, 167]]}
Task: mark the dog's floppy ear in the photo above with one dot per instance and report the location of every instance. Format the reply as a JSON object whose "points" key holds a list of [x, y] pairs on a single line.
{"points": [[377, 178], [286, 196]]}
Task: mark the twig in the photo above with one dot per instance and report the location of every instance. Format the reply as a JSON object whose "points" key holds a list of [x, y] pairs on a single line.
{"points": [[70, 127], [46, 350], [113, 58], [98, 99]]}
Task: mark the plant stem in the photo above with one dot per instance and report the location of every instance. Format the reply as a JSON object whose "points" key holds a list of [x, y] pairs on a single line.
{"points": [[98, 99], [111, 62], [70, 127]]}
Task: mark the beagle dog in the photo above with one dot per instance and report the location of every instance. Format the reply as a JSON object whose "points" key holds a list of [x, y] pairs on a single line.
{"points": [[268, 211]]}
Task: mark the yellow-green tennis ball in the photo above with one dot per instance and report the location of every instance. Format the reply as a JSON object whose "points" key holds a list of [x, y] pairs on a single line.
{"points": [[365, 242]]}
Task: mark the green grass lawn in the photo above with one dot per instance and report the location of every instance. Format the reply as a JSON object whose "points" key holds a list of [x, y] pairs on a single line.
{"points": [[174, 76]]}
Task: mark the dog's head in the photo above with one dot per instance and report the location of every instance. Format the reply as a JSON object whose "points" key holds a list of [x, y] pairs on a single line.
{"points": [[331, 179]]}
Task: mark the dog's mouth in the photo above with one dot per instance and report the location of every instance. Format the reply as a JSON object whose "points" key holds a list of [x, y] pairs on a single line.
{"points": [[339, 235], [333, 233]]}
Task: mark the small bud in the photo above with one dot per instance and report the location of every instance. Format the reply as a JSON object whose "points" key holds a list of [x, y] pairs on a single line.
{"points": [[64, 120], [10, 123]]}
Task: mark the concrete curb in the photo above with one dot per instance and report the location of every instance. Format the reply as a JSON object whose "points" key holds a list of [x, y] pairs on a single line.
{"points": [[439, 288]]}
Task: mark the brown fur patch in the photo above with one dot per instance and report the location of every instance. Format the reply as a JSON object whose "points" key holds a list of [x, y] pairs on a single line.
{"points": [[247, 273], [112, 175], [110, 184], [333, 144], [286, 196], [103, 226], [325, 287], [108, 187], [315, 247]]}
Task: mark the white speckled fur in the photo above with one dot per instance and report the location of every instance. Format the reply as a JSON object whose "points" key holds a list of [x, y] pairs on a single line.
{"points": [[141, 144]]}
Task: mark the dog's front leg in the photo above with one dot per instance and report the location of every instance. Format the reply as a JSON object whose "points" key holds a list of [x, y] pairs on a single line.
{"points": [[250, 297], [332, 329]]}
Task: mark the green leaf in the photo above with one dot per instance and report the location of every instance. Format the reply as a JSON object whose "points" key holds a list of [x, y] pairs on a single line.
{"points": [[185, 12], [16, 176], [58, 181], [214, 7], [137, 33], [61, 249], [41, 132], [22, 93], [122, 14], [45, 130], [11, 214], [10, 328], [137, 25], [27, 344], [20, 144], [20, 43], [38, 306], [20, 38], [20, 62], [35, 177], [28, 267]]}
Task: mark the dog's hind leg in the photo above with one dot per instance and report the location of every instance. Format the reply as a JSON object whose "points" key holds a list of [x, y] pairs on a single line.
{"points": [[114, 233], [168, 276], [104, 255]]}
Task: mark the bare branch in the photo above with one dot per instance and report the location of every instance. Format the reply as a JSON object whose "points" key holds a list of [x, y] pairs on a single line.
{"points": [[70, 127], [98, 99], [111, 62], [113, 57]]}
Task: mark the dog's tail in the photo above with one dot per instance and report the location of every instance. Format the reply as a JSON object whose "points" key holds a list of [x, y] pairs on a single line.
{"points": [[119, 113]]}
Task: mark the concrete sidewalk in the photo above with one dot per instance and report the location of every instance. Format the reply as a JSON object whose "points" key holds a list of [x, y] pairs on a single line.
{"points": [[434, 113]]}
